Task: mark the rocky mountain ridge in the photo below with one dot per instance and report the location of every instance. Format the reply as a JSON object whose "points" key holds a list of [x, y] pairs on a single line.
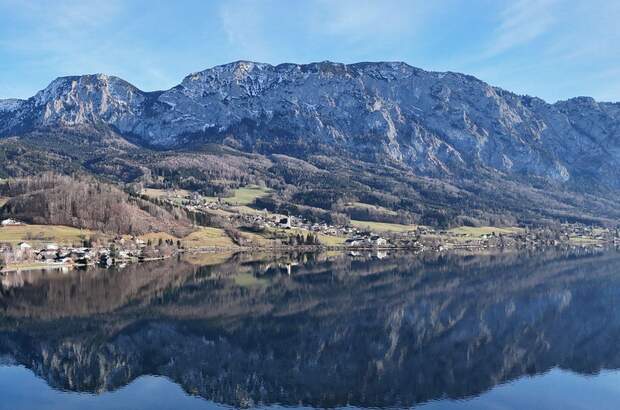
{"points": [[440, 125], [431, 122]]}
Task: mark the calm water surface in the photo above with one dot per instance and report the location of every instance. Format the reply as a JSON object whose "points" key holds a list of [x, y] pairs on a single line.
{"points": [[512, 331]]}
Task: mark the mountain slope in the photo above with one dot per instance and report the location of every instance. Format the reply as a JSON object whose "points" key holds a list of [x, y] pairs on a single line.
{"points": [[386, 121], [86, 203]]}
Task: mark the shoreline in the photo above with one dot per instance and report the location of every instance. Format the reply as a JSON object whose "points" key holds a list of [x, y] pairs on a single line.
{"points": [[453, 248]]}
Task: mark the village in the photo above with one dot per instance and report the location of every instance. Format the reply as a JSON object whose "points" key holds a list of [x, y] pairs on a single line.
{"points": [[294, 232], [119, 251], [359, 234]]}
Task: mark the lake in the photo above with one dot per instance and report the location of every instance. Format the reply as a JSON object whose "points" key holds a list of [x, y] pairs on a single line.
{"points": [[505, 331]]}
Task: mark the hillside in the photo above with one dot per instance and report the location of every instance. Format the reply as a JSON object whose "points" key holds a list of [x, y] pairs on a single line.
{"points": [[429, 147], [52, 199]]}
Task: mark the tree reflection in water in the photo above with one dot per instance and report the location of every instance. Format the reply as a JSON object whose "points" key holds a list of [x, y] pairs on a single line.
{"points": [[317, 330]]}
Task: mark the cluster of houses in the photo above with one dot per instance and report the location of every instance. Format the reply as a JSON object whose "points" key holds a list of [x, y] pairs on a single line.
{"points": [[196, 203], [356, 238], [50, 254], [119, 251], [297, 222], [361, 240], [123, 250]]}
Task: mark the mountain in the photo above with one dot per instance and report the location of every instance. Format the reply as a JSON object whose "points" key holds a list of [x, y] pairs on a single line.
{"points": [[385, 134]]}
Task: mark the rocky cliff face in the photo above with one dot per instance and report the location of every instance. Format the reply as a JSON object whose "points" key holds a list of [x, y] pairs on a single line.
{"points": [[440, 149], [433, 123]]}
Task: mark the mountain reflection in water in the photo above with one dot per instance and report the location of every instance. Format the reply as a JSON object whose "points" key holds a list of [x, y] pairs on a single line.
{"points": [[316, 330]]}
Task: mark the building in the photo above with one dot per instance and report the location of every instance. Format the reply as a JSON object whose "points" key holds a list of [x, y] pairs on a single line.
{"points": [[378, 241], [24, 252], [354, 242], [285, 222], [11, 222]]}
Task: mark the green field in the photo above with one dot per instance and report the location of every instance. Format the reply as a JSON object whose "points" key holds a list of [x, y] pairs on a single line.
{"points": [[329, 240], [41, 234], [244, 196], [159, 193], [485, 230], [580, 240], [244, 209], [326, 240], [383, 226], [206, 238]]}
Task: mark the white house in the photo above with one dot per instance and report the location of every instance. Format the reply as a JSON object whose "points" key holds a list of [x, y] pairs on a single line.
{"points": [[378, 241], [10, 222]]}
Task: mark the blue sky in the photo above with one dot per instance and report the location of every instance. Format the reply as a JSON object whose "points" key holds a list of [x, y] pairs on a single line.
{"points": [[554, 49]]}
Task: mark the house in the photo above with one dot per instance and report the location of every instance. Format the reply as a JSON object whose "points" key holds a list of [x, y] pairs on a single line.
{"points": [[47, 256], [378, 241], [66, 261], [23, 253], [285, 222], [354, 242], [81, 257], [11, 222]]}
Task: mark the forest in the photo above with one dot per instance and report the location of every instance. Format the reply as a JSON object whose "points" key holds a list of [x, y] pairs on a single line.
{"points": [[85, 202]]}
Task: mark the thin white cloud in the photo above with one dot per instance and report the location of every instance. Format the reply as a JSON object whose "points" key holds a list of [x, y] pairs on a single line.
{"points": [[356, 21], [551, 48], [68, 37], [366, 18], [59, 28], [591, 31], [262, 30], [243, 23], [520, 23]]}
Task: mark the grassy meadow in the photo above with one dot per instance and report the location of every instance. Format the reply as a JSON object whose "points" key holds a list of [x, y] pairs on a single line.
{"points": [[41, 234]]}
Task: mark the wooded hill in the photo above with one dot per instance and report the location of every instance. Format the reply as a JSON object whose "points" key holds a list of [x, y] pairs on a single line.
{"points": [[84, 202]]}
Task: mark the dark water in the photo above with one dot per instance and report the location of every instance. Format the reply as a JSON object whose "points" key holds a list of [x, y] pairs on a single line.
{"points": [[527, 331]]}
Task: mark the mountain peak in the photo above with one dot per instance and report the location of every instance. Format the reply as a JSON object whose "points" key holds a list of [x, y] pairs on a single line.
{"points": [[85, 99], [81, 85], [428, 121], [435, 124]]}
